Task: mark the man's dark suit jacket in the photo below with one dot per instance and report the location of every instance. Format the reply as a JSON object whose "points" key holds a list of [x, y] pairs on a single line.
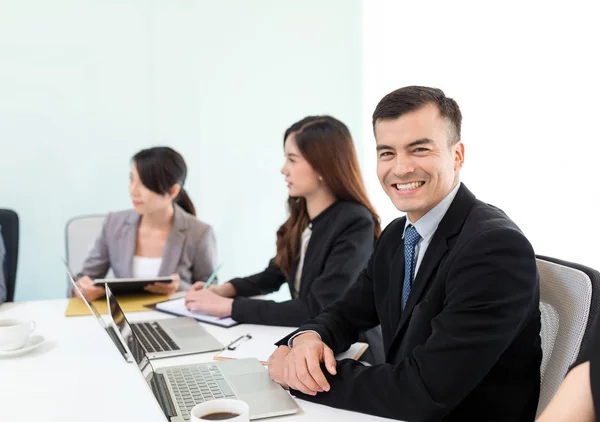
{"points": [[467, 346]]}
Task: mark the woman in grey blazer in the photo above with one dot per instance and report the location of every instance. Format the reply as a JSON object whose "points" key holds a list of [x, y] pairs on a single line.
{"points": [[160, 236]]}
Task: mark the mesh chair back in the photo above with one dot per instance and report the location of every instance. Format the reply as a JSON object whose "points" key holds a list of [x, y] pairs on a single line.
{"points": [[565, 298]]}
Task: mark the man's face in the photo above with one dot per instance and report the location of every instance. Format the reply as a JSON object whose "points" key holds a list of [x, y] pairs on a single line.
{"points": [[416, 166]]}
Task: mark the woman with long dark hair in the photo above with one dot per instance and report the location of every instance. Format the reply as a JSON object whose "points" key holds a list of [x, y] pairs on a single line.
{"points": [[325, 242], [160, 236]]}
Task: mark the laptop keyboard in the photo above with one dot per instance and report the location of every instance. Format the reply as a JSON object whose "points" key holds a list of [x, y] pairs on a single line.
{"points": [[197, 384], [153, 337]]}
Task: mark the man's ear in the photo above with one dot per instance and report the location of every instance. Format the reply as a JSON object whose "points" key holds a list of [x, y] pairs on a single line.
{"points": [[459, 156]]}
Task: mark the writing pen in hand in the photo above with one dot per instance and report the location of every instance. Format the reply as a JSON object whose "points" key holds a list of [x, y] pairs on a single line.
{"points": [[212, 277]]}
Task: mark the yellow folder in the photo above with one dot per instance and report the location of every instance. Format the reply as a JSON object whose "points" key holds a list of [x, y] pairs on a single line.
{"points": [[129, 303]]}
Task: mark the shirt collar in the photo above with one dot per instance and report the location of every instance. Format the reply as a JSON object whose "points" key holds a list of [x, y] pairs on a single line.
{"points": [[428, 224]]}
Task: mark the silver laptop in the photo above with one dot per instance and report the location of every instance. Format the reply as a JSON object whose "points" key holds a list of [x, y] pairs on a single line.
{"points": [[108, 328], [177, 389], [167, 337]]}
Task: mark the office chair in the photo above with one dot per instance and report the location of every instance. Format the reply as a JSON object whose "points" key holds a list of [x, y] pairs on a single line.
{"points": [[9, 222], [567, 295], [594, 276], [81, 233]]}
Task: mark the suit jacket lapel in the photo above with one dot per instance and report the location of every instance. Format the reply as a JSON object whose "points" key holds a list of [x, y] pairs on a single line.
{"points": [[129, 242], [449, 226], [290, 280], [174, 246], [434, 254], [396, 284]]}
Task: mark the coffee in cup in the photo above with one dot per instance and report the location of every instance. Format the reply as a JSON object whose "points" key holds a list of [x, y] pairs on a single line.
{"points": [[219, 416], [221, 410], [14, 333]]}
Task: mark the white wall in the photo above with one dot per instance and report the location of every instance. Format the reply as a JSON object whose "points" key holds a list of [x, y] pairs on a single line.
{"points": [[526, 76], [84, 85]]}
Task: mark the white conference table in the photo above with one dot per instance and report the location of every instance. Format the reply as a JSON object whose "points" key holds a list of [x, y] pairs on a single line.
{"points": [[79, 375]]}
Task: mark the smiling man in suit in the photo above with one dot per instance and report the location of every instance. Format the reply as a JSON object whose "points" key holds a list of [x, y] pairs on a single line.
{"points": [[454, 285]]}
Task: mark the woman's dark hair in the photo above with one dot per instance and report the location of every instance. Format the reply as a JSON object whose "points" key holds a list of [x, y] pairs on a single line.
{"points": [[160, 168], [327, 145]]}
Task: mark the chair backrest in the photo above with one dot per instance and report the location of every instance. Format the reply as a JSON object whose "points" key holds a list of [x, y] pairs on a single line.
{"points": [[565, 302], [9, 222], [594, 276], [80, 235]]}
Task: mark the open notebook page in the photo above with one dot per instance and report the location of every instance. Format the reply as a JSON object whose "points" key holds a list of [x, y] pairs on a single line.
{"points": [[177, 307]]}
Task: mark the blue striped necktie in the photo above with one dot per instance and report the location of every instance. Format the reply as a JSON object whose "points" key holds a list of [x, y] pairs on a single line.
{"points": [[411, 238]]}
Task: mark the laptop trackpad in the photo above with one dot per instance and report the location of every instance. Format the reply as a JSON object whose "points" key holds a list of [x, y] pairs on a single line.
{"points": [[184, 332], [253, 383]]}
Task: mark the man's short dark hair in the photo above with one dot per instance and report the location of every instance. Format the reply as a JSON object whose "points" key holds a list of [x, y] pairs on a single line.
{"points": [[412, 98]]}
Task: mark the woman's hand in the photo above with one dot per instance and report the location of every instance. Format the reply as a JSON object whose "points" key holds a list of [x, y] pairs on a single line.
{"points": [[206, 300], [164, 288], [91, 292], [225, 290]]}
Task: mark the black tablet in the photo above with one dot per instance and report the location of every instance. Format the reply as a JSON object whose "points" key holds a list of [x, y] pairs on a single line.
{"points": [[130, 285]]}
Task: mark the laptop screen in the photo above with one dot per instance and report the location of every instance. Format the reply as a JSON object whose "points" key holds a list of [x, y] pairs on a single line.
{"points": [[89, 304], [131, 341], [132, 344]]}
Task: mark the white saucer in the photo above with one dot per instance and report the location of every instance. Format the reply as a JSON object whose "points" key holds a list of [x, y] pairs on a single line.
{"points": [[33, 343]]}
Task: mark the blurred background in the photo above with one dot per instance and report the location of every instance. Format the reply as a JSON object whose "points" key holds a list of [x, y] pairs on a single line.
{"points": [[84, 85]]}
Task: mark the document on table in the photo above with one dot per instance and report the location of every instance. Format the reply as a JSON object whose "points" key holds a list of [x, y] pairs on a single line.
{"points": [[261, 346], [138, 302], [177, 307]]}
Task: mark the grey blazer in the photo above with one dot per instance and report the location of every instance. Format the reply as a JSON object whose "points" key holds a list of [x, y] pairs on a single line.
{"points": [[191, 249]]}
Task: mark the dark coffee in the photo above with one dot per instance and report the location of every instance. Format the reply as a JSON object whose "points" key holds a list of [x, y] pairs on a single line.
{"points": [[219, 416]]}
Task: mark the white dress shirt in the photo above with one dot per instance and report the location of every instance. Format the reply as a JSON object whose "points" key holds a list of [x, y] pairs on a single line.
{"points": [[428, 224], [144, 267], [303, 245]]}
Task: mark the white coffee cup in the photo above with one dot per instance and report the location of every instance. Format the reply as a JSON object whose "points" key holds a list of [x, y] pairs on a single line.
{"points": [[221, 406], [14, 333]]}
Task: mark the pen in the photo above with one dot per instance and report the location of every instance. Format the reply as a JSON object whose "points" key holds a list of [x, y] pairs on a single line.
{"points": [[233, 345], [212, 277]]}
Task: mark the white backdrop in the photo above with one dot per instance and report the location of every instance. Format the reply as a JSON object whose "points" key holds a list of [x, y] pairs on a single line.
{"points": [[525, 75], [84, 85]]}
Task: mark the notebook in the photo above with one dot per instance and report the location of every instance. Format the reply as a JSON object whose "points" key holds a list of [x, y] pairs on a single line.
{"points": [[177, 307], [261, 346], [129, 303]]}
